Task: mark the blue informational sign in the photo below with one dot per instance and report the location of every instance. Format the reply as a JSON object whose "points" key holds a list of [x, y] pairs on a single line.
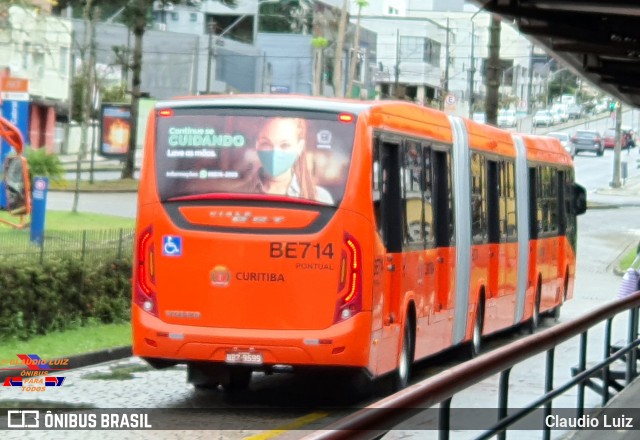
{"points": [[171, 245], [16, 112], [38, 208]]}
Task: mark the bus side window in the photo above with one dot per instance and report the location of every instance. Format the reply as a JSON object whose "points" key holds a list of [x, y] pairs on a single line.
{"points": [[534, 220], [512, 225], [442, 198], [376, 179], [478, 199], [427, 196], [413, 202]]}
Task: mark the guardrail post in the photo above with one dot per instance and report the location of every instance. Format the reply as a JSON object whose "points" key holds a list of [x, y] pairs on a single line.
{"points": [[503, 399], [632, 357], [548, 386], [606, 376], [582, 365], [444, 419]]}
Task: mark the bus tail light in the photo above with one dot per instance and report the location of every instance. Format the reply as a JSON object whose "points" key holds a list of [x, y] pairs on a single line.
{"points": [[350, 283], [145, 294]]}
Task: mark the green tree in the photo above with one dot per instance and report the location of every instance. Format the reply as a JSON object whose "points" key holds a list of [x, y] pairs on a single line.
{"points": [[135, 15]]}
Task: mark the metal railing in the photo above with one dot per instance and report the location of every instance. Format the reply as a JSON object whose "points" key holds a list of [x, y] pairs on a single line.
{"points": [[88, 245], [374, 421]]}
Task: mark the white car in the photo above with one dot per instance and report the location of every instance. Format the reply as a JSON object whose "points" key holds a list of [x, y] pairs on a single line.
{"points": [[507, 118], [565, 141], [543, 117]]}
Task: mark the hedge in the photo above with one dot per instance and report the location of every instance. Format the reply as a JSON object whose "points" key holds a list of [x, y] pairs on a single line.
{"points": [[61, 294]]}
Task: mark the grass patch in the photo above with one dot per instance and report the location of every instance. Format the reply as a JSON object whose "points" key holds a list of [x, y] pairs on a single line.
{"points": [[97, 185], [66, 221], [70, 342]]}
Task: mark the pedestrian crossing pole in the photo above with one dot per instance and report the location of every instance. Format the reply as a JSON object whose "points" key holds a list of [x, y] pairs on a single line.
{"points": [[616, 181]]}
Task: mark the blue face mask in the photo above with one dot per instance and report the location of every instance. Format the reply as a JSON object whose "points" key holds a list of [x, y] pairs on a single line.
{"points": [[276, 162]]}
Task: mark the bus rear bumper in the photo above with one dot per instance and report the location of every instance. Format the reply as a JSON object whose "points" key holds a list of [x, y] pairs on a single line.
{"points": [[345, 344]]}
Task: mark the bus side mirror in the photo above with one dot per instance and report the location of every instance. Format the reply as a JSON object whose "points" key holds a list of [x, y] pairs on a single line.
{"points": [[17, 185], [579, 199]]}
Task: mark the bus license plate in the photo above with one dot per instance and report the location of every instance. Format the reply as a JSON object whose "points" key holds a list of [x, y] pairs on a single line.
{"points": [[244, 357]]}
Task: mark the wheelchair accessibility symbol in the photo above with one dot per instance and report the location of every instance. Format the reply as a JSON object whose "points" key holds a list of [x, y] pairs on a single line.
{"points": [[171, 246]]}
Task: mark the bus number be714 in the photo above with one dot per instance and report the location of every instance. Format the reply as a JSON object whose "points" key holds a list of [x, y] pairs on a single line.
{"points": [[300, 249]]}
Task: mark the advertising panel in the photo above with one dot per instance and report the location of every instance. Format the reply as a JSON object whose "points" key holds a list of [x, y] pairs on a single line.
{"points": [[115, 129]]}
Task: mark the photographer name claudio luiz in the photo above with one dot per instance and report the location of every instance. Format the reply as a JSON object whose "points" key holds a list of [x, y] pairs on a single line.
{"points": [[603, 421]]}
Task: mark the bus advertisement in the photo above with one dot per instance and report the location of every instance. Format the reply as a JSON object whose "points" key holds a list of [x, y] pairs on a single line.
{"points": [[355, 235]]}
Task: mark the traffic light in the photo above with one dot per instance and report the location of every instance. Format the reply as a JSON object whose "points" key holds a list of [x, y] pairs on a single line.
{"points": [[612, 106]]}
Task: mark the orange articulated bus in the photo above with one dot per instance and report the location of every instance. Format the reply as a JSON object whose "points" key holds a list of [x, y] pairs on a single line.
{"points": [[308, 232]]}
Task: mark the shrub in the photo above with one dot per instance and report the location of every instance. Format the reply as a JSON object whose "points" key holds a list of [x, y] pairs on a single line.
{"points": [[61, 294], [44, 164]]}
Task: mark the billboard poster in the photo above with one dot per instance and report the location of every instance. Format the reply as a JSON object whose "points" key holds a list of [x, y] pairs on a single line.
{"points": [[115, 129], [255, 153]]}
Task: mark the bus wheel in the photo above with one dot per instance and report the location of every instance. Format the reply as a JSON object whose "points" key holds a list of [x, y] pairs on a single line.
{"points": [[476, 338], [239, 378], [401, 375], [203, 376], [534, 322]]}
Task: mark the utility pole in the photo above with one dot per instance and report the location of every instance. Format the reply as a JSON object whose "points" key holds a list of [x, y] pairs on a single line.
{"points": [[530, 85], [472, 70], [89, 17], [337, 65], [615, 181], [445, 83], [493, 71], [212, 28], [396, 85], [354, 57]]}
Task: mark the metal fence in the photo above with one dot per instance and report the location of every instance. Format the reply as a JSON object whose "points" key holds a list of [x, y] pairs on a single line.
{"points": [[91, 246]]}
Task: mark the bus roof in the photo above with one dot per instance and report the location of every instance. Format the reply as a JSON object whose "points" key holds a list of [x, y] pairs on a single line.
{"points": [[270, 101]]}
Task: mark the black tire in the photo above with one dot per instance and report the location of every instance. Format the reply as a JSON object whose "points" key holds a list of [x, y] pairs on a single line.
{"points": [[239, 379], [534, 322], [403, 372], [201, 377], [475, 345]]}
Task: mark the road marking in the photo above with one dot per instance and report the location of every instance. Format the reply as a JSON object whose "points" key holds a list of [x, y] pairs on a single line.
{"points": [[297, 423]]}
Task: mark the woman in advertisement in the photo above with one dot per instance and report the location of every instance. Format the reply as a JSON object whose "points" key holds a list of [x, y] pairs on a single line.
{"points": [[281, 149]]}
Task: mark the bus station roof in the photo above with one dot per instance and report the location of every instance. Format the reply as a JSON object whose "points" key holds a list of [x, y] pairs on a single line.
{"points": [[598, 40]]}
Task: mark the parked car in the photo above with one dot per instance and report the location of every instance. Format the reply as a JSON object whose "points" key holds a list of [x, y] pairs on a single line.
{"points": [[627, 140], [588, 140], [507, 118], [565, 141], [542, 117], [574, 111]]}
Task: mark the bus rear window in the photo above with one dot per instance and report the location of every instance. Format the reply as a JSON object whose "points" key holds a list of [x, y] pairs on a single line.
{"points": [[299, 155]]}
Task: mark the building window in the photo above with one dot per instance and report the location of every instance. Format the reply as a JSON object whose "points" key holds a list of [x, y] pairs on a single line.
{"points": [[63, 64], [26, 53], [175, 16], [193, 17]]}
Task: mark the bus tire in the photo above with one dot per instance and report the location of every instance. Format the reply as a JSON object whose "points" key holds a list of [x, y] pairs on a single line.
{"points": [[238, 380], [475, 345], [534, 322], [555, 313], [402, 373], [202, 377]]}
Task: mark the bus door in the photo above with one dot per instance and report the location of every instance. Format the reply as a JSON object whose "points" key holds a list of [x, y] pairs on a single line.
{"points": [[391, 230], [563, 211], [444, 238], [493, 223]]}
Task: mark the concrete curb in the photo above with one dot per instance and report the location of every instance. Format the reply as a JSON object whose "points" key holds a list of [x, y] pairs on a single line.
{"points": [[79, 360]]}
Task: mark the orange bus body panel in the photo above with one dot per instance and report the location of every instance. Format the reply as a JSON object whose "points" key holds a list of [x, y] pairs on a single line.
{"points": [[250, 280]]}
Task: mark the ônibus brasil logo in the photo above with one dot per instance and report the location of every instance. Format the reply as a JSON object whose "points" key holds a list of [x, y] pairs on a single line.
{"points": [[32, 372]]}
